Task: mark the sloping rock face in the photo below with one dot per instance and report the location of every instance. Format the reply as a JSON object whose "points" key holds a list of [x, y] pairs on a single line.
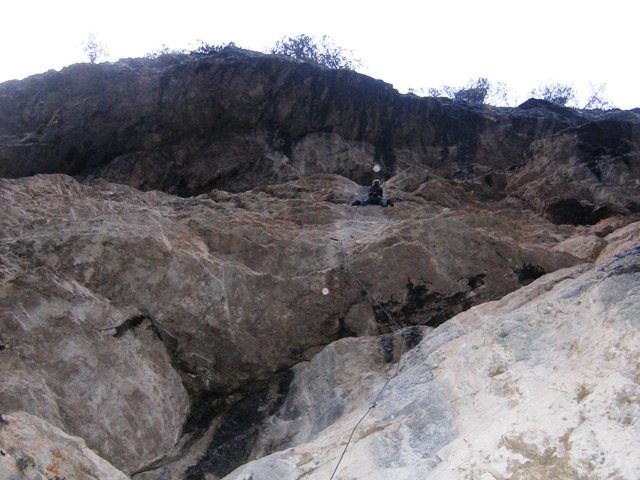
{"points": [[145, 322], [32, 448], [544, 383], [135, 315]]}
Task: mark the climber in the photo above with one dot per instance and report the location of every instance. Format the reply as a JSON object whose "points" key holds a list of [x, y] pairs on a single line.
{"points": [[375, 197]]}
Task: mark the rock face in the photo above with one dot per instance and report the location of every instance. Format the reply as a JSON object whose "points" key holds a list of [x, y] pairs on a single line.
{"points": [[541, 384], [238, 119], [201, 293], [597, 158], [86, 365], [151, 314], [33, 448], [123, 297]]}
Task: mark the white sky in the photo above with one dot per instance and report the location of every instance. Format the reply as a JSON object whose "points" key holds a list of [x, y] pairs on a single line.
{"points": [[405, 43]]}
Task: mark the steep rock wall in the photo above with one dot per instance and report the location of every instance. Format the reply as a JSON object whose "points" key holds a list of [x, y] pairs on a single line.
{"points": [[181, 337], [239, 119]]}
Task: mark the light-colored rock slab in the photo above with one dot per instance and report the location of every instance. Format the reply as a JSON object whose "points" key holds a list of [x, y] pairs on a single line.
{"points": [[31, 448], [620, 241], [586, 248]]}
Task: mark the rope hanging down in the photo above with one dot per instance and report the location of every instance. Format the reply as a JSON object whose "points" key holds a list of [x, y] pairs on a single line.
{"points": [[375, 302], [349, 270]]}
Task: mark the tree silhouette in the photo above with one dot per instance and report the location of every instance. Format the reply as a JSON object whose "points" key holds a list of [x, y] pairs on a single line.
{"points": [[95, 49], [596, 100], [325, 53], [557, 93]]}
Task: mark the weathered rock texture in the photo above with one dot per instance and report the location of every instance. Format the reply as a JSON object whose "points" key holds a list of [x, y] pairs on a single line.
{"points": [[31, 448], [239, 119], [544, 383], [109, 293], [583, 174], [117, 304], [183, 335]]}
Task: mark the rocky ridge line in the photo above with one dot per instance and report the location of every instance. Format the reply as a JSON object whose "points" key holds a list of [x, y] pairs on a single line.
{"points": [[239, 119]]}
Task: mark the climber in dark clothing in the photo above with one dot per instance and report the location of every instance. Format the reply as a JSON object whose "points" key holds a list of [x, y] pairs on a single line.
{"points": [[375, 197], [375, 193]]}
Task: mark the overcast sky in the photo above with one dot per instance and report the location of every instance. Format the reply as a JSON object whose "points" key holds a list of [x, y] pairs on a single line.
{"points": [[410, 44]]}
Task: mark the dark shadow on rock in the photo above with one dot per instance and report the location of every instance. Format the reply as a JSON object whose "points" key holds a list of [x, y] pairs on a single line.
{"points": [[528, 273], [476, 281], [392, 343], [633, 207], [238, 428], [611, 137], [129, 324], [570, 211], [422, 306]]}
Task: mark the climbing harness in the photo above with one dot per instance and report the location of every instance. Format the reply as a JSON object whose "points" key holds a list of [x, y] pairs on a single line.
{"points": [[376, 303]]}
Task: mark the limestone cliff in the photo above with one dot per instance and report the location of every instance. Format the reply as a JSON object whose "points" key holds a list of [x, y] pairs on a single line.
{"points": [[542, 384], [185, 286], [238, 119]]}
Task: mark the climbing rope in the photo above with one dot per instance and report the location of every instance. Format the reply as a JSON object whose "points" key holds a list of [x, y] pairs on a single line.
{"points": [[375, 302], [348, 269], [371, 407]]}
